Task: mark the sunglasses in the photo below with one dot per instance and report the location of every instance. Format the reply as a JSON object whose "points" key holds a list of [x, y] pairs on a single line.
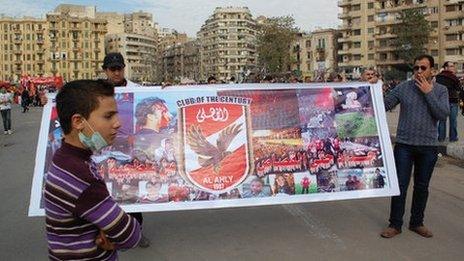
{"points": [[416, 68]]}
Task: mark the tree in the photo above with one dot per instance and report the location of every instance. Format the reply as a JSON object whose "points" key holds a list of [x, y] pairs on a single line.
{"points": [[412, 35], [275, 36]]}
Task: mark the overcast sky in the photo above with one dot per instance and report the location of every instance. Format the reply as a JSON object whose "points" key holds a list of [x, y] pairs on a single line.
{"points": [[188, 15]]}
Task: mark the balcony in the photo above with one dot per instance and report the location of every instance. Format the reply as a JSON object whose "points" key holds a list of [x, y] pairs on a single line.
{"points": [[345, 39], [399, 7], [388, 62], [18, 62], [384, 35], [41, 50], [75, 40], [344, 51], [18, 51], [17, 41], [40, 71], [344, 15], [455, 44], [385, 48], [96, 40], [40, 41], [40, 61], [342, 3]]}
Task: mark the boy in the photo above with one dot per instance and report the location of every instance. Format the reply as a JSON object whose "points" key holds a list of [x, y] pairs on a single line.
{"points": [[82, 220]]}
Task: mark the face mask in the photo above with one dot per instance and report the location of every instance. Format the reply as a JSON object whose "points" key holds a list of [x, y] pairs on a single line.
{"points": [[95, 142]]}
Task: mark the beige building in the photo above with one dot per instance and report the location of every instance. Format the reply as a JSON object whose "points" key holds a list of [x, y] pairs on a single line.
{"points": [[367, 32], [76, 42], [181, 62], [140, 23], [315, 54], [22, 47], [228, 43], [139, 54], [169, 50], [134, 36], [68, 43]]}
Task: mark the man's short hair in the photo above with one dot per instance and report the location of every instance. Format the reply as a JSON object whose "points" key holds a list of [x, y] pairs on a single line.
{"points": [[145, 107], [425, 56], [80, 97], [211, 78]]}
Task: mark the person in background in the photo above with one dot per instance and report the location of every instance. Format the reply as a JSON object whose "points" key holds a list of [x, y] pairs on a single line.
{"points": [[448, 78], [6, 99]]}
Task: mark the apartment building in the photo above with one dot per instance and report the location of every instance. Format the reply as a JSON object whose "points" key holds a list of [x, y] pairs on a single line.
{"points": [[181, 62], [139, 53], [22, 47], [228, 43], [75, 41], [315, 54], [367, 32]]}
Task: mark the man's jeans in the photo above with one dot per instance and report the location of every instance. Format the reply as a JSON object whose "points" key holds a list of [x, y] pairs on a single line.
{"points": [[6, 117], [423, 158], [453, 132]]}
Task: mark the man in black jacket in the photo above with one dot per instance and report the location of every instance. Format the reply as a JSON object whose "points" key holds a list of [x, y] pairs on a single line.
{"points": [[448, 78]]}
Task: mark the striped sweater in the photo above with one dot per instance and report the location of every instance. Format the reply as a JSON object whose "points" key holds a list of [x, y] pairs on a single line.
{"points": [[78, 206]]}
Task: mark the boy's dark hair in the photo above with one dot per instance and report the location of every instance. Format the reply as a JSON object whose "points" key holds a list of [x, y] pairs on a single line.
{"points": [[80, 97], [446, 64], [425, 56]]}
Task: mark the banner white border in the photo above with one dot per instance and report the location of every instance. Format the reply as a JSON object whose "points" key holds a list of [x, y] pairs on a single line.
{"points": [[382, 128]]}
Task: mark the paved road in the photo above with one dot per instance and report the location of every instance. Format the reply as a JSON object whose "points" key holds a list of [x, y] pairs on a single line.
{"points": [[343, 230]]}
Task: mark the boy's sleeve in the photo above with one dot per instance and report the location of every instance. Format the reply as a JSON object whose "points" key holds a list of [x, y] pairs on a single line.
{"points": [[97, 207]]}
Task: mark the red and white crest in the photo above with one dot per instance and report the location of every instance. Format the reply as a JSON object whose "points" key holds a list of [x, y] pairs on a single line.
{"points": [[215, 153]]}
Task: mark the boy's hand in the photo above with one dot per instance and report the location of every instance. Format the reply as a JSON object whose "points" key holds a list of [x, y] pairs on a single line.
{"points": [[103, 242]]}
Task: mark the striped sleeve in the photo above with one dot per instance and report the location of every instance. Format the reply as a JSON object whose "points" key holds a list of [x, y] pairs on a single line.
{"points": [[97, 207]]}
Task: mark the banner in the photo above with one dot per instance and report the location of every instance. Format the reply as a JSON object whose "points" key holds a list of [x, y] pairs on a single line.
{"points": [[216, 146]]}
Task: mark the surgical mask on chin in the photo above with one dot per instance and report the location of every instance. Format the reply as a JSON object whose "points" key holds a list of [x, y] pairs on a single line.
{"points": [[95, 142]]}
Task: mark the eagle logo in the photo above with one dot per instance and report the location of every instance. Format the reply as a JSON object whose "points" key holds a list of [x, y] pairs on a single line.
{"points": [[210, 155]]}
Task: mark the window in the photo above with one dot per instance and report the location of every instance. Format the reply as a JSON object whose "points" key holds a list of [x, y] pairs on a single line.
{"points": [[370, 18], [357, 45], [357, 57], [370, 44], [453, 52], [357, 32], [434, 52], [371, 56], [370, 30], [370, 5], [434, 24]]}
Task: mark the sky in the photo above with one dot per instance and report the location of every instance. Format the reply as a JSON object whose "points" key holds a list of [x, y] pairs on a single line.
{"points": [[187, 16]]}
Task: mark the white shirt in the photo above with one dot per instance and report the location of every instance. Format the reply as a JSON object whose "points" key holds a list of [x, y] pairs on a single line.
{"points": [[5, 101]]}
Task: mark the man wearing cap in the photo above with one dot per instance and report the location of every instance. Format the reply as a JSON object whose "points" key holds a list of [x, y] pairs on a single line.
{"points": [[114, 65]]}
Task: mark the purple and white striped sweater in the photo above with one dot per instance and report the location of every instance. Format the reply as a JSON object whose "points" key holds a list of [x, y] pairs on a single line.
{"points": [[77, 206]]}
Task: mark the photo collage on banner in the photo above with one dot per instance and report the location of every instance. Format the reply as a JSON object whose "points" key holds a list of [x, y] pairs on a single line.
{"points": [[211, 145]]}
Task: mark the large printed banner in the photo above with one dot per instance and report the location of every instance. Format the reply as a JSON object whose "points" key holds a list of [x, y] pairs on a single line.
{"points": [[220, 146]]}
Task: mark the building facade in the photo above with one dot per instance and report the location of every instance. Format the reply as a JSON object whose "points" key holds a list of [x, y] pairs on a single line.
{"points": [[368, 37], [315, 54], [76, 41], [139, 53], [181, 62], [228, 43], [23, 49]]}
